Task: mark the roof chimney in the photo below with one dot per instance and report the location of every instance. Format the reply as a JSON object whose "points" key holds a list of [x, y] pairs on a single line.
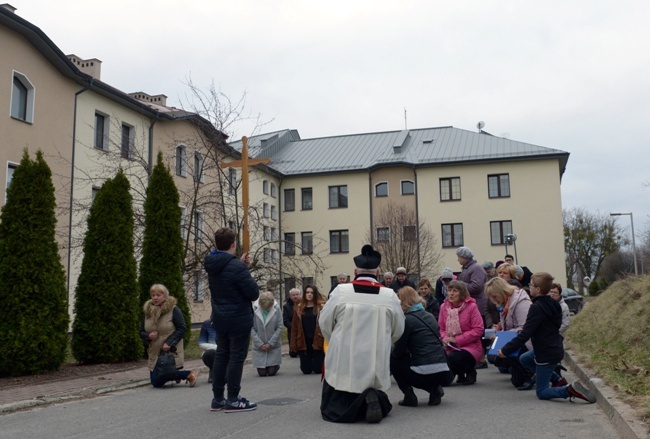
{"points": [[155, 99], [92, 66]]}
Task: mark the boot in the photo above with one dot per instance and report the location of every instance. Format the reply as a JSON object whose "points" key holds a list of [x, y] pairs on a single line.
{"points": [[410, 400]]}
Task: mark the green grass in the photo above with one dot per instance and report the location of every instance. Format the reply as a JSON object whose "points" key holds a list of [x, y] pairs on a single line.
{"points": [[611, 335]]}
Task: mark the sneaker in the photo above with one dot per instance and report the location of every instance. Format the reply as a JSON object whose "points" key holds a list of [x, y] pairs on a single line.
{"points": [[217, 404], [240, 405], [373, 409], [410, 400], [578, 390], [527, 385], [560, 383], [191, 378], [481, 365], [435, 397]]}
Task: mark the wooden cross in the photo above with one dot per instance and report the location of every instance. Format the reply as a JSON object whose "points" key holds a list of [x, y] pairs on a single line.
{"points": [[244, 163]]}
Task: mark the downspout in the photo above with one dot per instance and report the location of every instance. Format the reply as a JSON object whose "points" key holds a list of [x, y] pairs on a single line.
{"points": [[417, 216], [74, 144], [372, 235], [280, 241], [155, 119]]}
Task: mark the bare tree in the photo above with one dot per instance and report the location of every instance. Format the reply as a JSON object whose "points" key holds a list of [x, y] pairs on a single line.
{"points": [[405, 241], [588, 239]]}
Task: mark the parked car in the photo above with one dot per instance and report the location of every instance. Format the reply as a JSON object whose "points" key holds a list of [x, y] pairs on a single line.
{"points": [[572, 299]]}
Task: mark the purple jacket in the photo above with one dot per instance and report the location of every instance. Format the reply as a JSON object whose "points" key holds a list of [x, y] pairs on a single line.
{"points": [[471, 325], [474, 276]]}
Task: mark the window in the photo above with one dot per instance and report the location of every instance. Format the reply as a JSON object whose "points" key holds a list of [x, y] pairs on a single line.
{"points": [[274, 190], [275, 255], [199, 286], [181, 160], [274, 234], [22, 98], [408, 187], [307, 243], [499, 230], [198, 225], [338, 197], [409, 233], [265, 187], [198, 167], [274, 213], [265, 210], [381, 189], [452, 235], [289, 200], [383, 234], [450, 189], [94, 192], [306, 198], [499, 186], [307, 281], [183, 223], [101, 131], [11, 167], [339, 241], [267, 233], [289, 244], [232, 181], [267, 255], [128, 140], [289, 284]]}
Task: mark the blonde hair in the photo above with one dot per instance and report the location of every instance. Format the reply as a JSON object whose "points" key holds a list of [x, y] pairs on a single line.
{"points": [[408, 297], [159, 288], [497, 287], [266, 298], [511, 269]]}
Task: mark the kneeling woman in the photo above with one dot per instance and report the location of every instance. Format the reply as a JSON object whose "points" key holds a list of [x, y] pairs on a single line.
{"points": [[163, 327], [418, 358], [461, 329], [266, 335], [306, 338]]}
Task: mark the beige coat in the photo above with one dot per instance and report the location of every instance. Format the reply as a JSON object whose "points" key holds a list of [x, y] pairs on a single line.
{"points": [[160, 319]]}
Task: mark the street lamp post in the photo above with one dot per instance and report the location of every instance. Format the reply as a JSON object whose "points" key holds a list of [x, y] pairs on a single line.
{"points": [[636, 271]]}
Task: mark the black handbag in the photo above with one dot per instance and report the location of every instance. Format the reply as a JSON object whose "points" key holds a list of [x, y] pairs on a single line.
{"points": [[166, 366]]}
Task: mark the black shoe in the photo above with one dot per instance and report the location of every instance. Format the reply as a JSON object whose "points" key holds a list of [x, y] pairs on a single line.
{"points": [[435, 396], [528, 385], [410, 400], [461, 378], [481, 365], [373, 409], [470, 379]]}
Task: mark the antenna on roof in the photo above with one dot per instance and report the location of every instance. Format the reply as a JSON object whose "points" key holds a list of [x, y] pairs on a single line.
{"points": [[480, 125], [405, 124]]}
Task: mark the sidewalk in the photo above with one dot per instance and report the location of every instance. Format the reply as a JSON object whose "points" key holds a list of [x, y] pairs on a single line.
{"points": [[621, 415]]}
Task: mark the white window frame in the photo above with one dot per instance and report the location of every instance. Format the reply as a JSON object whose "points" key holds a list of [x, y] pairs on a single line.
{"points": [[377, 186], [265, 187], [266, 213], [199, 286], [106, 131], [387, 229], [131, 151], [232, 181], [183, 222], [274, 213], [401, 187], [30, 98], [199, 161], [274, 190], [10, 166], [181, 160], [198, 225]]}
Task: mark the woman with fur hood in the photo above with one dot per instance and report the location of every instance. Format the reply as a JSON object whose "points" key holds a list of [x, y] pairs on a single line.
{"points": [[163, 327], [266, 335]]}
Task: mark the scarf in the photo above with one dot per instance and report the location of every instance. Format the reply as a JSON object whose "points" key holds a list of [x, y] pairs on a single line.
{"points": [[416, 307], [452, 325], [265, 314]]}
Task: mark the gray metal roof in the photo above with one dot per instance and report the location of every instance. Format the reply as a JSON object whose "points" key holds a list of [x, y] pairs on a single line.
{"points": [[291, 155]]}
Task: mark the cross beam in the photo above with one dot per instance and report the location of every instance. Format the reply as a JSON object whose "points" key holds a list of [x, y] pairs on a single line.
{"points": [[244, 163]]}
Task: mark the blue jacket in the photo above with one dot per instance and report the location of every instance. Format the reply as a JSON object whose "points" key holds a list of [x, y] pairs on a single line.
{"points": [[232, 290]]}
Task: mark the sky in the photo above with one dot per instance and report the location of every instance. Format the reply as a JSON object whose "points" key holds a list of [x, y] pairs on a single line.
{"points": [[568, 75]]}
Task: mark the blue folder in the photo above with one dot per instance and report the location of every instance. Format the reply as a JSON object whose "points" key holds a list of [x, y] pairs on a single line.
{"points": [[500, 340]]}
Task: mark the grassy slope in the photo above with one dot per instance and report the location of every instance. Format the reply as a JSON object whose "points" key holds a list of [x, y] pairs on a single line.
{"points": [[613, 333]]}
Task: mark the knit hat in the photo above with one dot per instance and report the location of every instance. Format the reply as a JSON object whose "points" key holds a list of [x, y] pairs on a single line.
{"points": [[464, 252], [447, 274], [368, 259], [519, 271], [488, 265], [400, 270]]}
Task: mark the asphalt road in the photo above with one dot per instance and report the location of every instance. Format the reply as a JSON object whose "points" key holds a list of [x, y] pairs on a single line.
{"points": [[288, 407]]}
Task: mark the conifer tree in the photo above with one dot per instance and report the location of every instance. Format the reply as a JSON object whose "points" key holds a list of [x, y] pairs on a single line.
{"points": [[33, 303], [162, 248], [107, 312]]}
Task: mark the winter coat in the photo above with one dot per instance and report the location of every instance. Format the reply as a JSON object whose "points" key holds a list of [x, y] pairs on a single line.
{"points": [[168, 320], [397, 285], [471, 325], [432, 306], [263, 332], [297, 341], [287, 313], [232, 289], [474, 276], [360, 328], [419, 340], [518, 307], [543, 328], [566, 316]]}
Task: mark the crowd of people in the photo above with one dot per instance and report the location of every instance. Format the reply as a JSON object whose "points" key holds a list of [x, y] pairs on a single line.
{"points": [[366, 330]]}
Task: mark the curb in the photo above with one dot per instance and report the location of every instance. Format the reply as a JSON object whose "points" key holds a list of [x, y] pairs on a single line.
{"points": [[622, 416]]}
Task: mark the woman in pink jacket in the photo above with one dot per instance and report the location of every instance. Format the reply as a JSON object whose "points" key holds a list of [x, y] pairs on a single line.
{"points": [[461, 330]]}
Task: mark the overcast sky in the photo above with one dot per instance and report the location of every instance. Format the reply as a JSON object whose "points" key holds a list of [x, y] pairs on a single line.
{"points": [[568, 75]]}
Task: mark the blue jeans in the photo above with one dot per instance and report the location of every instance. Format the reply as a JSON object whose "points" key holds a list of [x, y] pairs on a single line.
{"points": [[545, 374], [157, 382], [232, 349]]}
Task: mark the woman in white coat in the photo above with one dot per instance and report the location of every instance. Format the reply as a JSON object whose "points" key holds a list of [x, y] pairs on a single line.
{"points": [[266, 335]]}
